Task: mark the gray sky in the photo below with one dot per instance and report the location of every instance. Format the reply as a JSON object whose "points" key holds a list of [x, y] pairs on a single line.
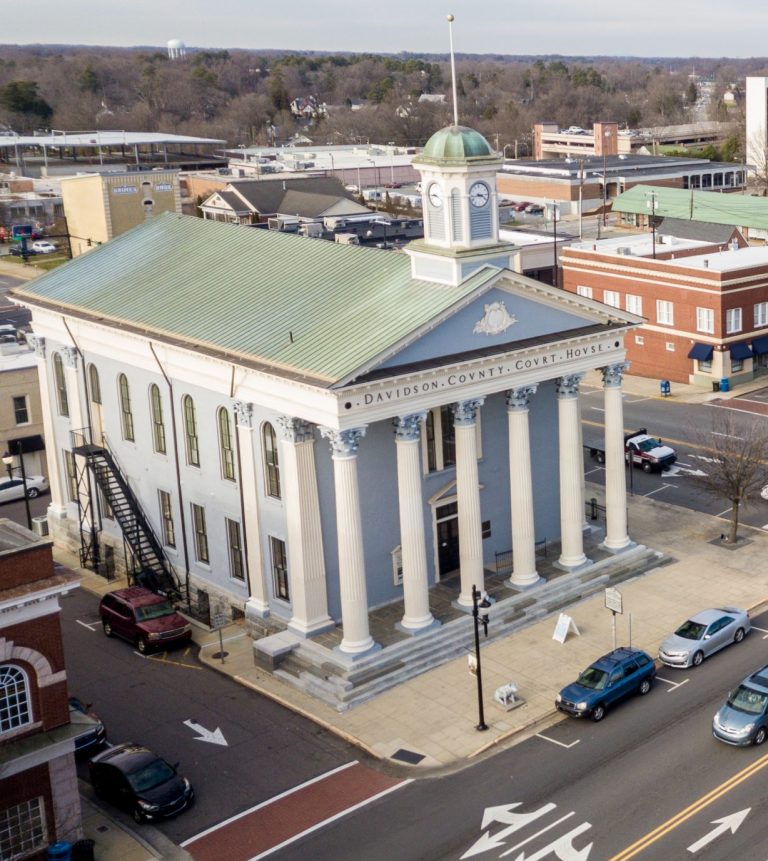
{"points": [[663, 28]]}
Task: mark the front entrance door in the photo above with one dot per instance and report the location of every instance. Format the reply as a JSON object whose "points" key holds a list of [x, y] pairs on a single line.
{"points": [[447, 518]]}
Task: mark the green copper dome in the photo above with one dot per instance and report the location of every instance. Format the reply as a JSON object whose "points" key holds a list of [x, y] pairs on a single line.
{"points": [[456, 144]]}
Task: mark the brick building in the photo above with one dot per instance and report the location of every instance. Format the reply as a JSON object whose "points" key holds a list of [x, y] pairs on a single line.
{"points": [[39, 799], [705, 303]]}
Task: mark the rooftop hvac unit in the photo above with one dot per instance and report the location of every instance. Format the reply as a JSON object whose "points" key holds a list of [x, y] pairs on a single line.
{"points": [[40, 526], [624, 249]]}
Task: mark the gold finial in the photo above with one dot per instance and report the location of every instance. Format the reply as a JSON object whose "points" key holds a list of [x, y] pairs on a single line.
{"points": [[449, 18]]}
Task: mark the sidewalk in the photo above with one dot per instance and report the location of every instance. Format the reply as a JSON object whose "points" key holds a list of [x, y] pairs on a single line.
{"points": [[432, 718]]}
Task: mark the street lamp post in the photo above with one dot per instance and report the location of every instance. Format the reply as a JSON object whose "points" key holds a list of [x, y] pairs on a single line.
{"points": [[479, 601], [553, 211], [8, 461]]}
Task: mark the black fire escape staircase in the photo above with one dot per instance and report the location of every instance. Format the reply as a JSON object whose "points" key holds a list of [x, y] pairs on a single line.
{"points": [[153, 568]]}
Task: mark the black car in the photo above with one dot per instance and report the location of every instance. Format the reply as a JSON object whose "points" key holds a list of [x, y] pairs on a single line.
{"points": [[93, 733], [16, 251], [132, 777]]}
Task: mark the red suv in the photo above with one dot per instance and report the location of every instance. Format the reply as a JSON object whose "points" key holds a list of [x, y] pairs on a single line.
{"points": [[142, 617]]}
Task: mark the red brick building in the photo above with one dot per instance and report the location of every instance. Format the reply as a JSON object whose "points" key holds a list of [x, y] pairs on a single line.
{"points": [[705, 304], [39, 798]]}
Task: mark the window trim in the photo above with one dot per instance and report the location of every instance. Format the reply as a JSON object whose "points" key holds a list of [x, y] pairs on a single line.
{"points": [[70, 468], [200, 530], [166, 518], [94, 384], [631, 299], [760, 317], [664, 319], [60, 382], [226, 448], [158, 424], [15, 708], [23, 828], [733, 321], [25, 399], [126, 411], [278, 557], [705, 320], [190, 431], [235, 549], [271, 454]]}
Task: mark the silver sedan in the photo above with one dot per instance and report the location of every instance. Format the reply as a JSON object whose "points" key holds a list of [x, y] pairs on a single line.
{"points": [[703, 635]]}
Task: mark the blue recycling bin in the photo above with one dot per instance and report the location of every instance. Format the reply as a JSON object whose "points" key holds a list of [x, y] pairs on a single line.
{"points": [[724, 385], [666, 389], [61, 851]]}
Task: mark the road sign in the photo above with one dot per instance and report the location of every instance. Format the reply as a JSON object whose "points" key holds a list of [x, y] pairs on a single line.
{"points": [[19, 230], [613, 600]]}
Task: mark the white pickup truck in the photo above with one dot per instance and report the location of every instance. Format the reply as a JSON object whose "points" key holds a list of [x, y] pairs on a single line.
{"points": [[644, 451]]}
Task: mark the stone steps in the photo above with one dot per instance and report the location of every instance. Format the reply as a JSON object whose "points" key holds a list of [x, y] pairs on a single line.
{"points": [[343, 684]]}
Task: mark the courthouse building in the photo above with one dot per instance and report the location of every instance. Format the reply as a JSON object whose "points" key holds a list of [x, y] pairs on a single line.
{"points": [[311, 431]]}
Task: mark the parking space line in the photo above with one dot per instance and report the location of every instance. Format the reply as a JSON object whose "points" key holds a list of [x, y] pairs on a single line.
{"points": [[90, 625], [762, 631], [657, 489], [672, 685], [558, 743]]}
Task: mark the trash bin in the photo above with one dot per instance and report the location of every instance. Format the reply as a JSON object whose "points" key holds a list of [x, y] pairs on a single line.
{"points": [[715, 386], [61, 851], [724, 385], [82, 850], [665, 388]]}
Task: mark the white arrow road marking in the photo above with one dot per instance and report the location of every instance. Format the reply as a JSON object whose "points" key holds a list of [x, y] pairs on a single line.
{"points": [[560, 743], [672, 685], [562, 847], [215, 737], [727, 823], [504, 814]]}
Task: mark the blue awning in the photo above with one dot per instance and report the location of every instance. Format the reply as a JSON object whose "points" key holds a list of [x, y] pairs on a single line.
{"points": [[702, 352], [760, 345], [740, 351]]}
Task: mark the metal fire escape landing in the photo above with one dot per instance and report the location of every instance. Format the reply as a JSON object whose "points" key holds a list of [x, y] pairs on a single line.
{"points": [[155, 571]]}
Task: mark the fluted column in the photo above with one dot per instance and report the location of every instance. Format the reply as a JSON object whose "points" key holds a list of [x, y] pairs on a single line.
{"points": [[416, 616], [54, 445], [349, 530], [616, 537], [468, 492], [571, 468], [306, 559], [524, 571], [258, 599]]}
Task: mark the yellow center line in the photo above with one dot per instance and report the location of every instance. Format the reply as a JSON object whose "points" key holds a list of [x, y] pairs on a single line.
{"points": [[644, 842], [163, 660]]}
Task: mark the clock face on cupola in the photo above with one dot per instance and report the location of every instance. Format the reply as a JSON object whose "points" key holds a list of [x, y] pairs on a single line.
{"points": [[458, 181]]}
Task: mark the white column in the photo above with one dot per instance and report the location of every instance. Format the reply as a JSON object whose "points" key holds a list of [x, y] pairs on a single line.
{"points": [[306, 559], [53, 445], [468, 492], [417, 616], [349, 530], [258, 600], [571, 468], [524, 571], [616, 537]]}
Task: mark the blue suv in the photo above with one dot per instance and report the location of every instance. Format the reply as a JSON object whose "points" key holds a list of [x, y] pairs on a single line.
{"points": [[616, 675]]}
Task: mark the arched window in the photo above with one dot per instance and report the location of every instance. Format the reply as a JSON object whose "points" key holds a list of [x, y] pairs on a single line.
{"points": [[158, 427], [125, 407], [15, 708], [93, 384], [190, 430], [271, 463], [61, 385], [225, 445]]}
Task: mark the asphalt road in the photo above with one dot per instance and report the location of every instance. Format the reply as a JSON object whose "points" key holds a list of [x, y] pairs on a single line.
{"points": [[681, 426], [648, 782], [153, 700]]}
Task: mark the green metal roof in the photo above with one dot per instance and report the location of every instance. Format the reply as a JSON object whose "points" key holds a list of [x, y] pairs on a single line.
{"points": [[456, 144], [736, 210], [303, 307]]}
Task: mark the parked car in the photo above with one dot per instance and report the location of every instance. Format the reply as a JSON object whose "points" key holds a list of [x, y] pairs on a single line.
{"points": [[142, 617], [134, 778], [743, 719], [522, 206], [534, 209], [44, 247], [704, 634], [618, 674], [13, 488], [16, 251], [93, 732]]}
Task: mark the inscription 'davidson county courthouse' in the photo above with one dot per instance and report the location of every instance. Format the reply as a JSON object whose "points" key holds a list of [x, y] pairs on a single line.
{"points": [[494, 372]]}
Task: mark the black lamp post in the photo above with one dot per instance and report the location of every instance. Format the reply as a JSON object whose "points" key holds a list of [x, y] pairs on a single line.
{"points": [[479, 601], [8, 461]]}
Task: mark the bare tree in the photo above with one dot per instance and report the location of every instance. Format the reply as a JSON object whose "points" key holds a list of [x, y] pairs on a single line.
{"points": [[738, 469]]}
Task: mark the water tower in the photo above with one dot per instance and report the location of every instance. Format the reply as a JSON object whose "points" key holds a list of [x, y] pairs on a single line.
{"points": [[176, 49]]}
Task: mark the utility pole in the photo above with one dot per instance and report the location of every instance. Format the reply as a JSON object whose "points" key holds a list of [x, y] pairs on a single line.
{"points": [[653, 204]]}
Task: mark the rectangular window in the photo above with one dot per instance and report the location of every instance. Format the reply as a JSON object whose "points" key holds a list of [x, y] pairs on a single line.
{"points": [[640, 340], [439, 439], [611, 297], [733, 320], [705, 320], [22, 829], [201, 534], [449, 436], [586, 292], [20, 410], [664, 313], [705, 367], [104, 505], [166, 518], [670, 345], [737, 365], [71, 468], [279, 568], [235, 543], [761, 314], [634, 304]]}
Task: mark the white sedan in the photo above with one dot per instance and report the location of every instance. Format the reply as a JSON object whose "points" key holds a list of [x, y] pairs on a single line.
{"points": [[13, 488], [44, 247]]}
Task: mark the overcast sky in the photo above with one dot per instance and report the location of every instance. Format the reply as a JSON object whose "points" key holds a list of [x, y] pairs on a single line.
{"points": [[645, 28]]}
